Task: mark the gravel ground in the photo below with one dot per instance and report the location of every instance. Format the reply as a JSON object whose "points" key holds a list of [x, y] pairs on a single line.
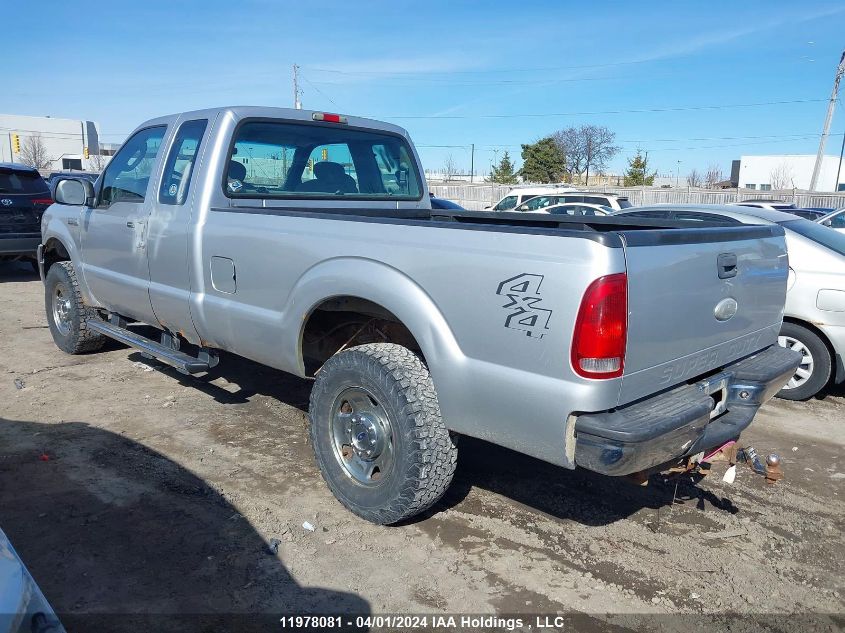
{"points": [[130, 489]]}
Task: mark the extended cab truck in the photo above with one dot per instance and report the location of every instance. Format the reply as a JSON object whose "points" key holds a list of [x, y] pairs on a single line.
{"points": [[305, 241]]}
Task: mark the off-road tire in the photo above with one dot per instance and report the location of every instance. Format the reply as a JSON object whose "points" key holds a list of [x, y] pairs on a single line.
{"points": [[79, 339], [822, 362], [424, 452]]}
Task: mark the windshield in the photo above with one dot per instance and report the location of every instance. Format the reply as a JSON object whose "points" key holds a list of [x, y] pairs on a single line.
{"points": [[818, 233]]}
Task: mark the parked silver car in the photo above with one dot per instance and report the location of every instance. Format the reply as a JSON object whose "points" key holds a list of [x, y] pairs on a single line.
{"points": [[814, 316]]}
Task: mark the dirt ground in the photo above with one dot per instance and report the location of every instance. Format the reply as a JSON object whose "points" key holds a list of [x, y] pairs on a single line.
{"points": [[128, 488]]}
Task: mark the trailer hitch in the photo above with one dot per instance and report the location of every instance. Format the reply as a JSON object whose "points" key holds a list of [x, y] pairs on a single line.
{"points": [[734, 453]]}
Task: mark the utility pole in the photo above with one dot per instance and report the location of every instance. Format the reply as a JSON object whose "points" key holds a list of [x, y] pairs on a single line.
{"points": [[296, 91], [840, 70], [472, 163]]}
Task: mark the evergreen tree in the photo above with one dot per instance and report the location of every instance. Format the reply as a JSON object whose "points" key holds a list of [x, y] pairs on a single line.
{"points": [[542, 161], [638, 171], [503, 173]]}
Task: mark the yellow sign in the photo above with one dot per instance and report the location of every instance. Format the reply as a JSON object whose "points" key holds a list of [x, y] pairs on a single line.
{"points": [[85, 152], [16, 143], [325, 153]]}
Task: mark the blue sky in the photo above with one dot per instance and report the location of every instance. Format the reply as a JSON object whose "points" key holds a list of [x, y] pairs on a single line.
{"points": [[492, 73]]}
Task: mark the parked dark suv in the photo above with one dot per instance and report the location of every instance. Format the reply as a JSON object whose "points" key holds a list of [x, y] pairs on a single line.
{"points": [[23, 197]]}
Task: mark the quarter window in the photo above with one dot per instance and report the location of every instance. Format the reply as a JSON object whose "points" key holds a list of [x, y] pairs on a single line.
{"points": [[181, 162], [127, 175]]}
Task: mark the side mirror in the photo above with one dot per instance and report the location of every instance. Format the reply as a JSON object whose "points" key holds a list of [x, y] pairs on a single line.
{"points": [[827, 223], [75, 192]]}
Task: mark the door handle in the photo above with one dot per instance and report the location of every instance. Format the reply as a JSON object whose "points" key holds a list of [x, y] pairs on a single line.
{"points": [[130, 225], [726, 264]]}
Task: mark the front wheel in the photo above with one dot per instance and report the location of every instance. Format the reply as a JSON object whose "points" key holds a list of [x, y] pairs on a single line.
{"points": [[816, 363], [67, 314], [378, 437]]}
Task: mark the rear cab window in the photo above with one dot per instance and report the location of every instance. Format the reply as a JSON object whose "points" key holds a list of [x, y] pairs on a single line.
{"points": [[21, 181], [289, 160]]}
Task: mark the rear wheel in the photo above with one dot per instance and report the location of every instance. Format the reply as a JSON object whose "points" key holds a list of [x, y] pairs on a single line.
{"points": [[378, 437], [67, 315], [814, 371]]}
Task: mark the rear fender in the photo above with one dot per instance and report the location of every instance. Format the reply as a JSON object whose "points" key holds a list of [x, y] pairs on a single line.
{"points": [[381, 284]]}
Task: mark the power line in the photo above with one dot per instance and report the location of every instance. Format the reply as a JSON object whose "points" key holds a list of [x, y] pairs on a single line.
{"points": [[477, 72], [498, 82], [320, 91], [598, 112]]}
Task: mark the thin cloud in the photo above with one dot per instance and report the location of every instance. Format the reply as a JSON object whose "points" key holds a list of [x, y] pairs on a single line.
{"points": [[698, 43]]}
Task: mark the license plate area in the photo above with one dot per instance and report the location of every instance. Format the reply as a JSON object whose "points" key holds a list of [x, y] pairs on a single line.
{"points": [[717, 388]]}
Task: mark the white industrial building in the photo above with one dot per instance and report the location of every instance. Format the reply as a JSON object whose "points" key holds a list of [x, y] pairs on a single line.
{"points": [[65, 142], [788, 171]]}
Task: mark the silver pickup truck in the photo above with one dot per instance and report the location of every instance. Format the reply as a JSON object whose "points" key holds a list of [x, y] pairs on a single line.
{"points": [[305, 241]]}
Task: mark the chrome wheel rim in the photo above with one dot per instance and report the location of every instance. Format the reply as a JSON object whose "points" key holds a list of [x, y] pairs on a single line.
{"points": [[362, 437], [62, 309], [805, 369]]}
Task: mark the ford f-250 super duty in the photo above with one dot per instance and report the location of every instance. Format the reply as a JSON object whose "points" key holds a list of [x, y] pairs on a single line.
{"points": [[305, 241]]}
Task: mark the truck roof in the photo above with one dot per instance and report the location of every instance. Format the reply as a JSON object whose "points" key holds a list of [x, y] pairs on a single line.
{"points": [[266, 112]]}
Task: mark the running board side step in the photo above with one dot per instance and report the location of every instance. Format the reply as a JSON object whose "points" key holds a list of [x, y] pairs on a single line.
{"points": [[167, 354]]}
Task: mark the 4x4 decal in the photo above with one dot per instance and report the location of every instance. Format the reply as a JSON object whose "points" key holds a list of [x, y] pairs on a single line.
{"points": [[525, 315]]}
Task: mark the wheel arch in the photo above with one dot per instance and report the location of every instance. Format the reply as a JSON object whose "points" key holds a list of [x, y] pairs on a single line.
{"points": [[371, 290], [59, 245]]}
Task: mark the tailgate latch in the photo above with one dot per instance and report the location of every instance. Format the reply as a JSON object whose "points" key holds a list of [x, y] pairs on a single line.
{"points": [[726, 264]]}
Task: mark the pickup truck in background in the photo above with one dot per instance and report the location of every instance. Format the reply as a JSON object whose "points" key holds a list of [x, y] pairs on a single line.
{"points": [[305, 241]]}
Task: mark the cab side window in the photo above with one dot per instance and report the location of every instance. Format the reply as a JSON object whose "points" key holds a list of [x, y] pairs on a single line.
{"points": [[127, 175], [181, 161]]}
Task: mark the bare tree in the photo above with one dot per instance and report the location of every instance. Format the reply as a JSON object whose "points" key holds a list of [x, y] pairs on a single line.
{"points": [[449, 168], [34, 153], [586, 148], [98, 162], [694, 178], [569, 143], [782, 177], [599, 148], [713, 175]]}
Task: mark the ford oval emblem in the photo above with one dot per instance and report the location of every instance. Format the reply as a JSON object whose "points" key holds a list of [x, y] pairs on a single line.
{"points": [[725, 309]]}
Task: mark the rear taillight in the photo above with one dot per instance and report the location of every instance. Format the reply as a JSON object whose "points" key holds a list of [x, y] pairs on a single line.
{"points": [[601, 329], [47, 201]]}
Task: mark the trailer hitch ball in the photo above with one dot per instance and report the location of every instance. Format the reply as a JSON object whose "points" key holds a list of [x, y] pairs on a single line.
{"points": [[773, 469]]}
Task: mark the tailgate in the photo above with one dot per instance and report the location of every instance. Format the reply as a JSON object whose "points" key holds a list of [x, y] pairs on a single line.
{"points": [[21, 213], [699, 299]]}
